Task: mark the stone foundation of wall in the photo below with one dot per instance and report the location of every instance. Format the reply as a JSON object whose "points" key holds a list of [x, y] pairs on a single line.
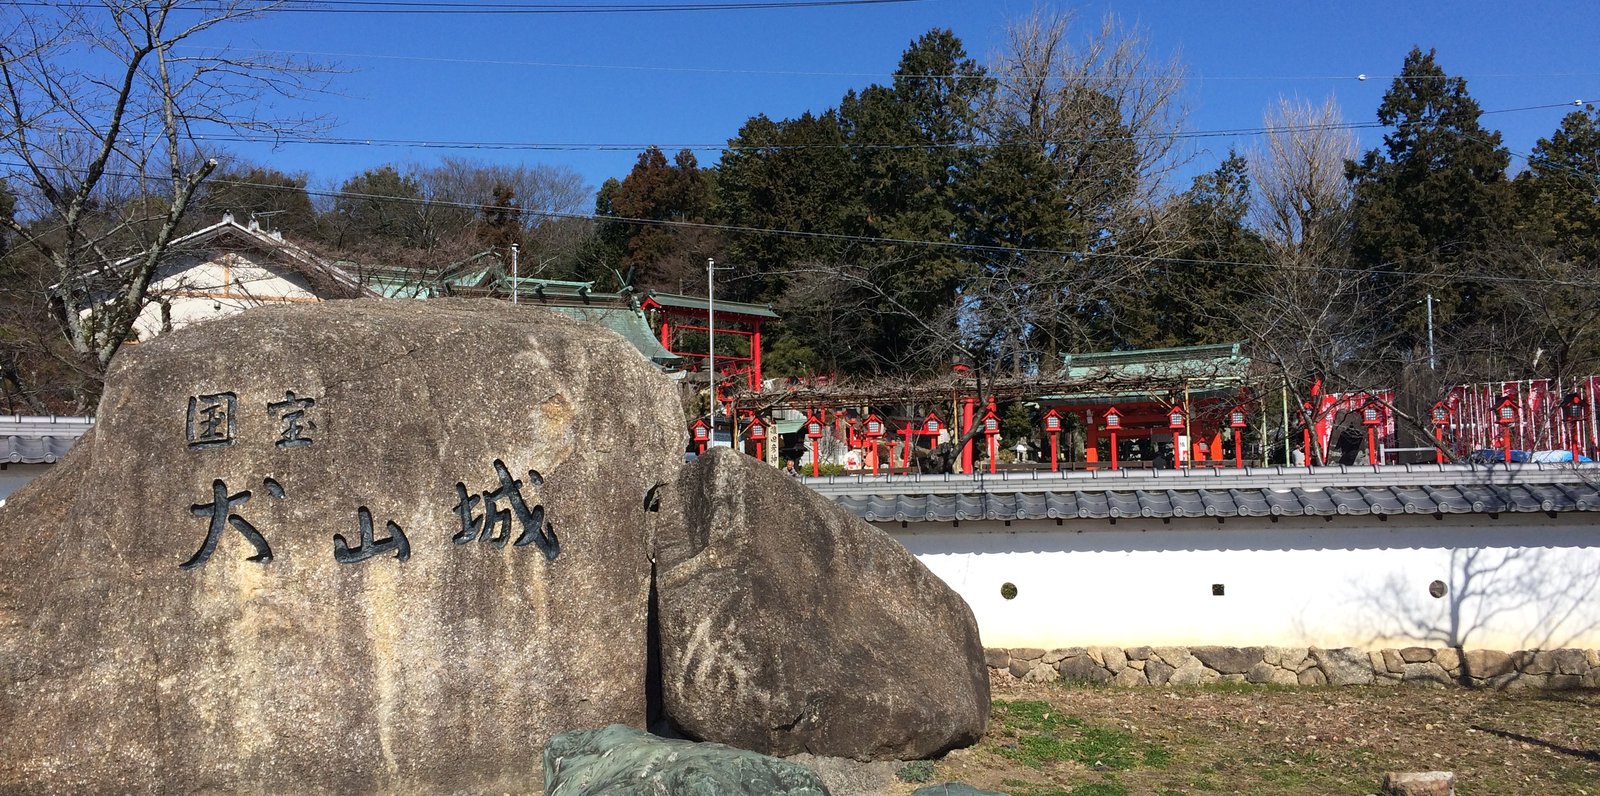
{"points": [[1303, 666]]}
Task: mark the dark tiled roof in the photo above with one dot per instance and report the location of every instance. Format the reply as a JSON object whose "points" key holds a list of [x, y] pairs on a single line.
{"points": [[40, 440], [1444, 490]]}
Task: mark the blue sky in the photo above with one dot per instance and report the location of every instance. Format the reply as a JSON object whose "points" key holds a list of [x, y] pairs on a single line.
{"points": [[678, 79]]}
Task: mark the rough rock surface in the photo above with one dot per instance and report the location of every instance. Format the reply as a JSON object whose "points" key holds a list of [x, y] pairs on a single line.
{"points": [[952, 789], [622, 761], [782, 616], [229, 587]]}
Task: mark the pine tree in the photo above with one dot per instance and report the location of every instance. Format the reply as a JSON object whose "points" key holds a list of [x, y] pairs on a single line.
{"points": [[1434, 195]]}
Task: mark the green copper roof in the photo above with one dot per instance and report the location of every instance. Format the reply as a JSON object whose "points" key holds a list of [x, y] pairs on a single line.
{"points": [[1108, 375], [628, 322], [699, 303]]}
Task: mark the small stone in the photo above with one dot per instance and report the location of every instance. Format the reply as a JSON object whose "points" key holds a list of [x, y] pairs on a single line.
{"points": [[1026, 653], [1138, 665], [1019, 668], [1431, 783], [1428, 674], [1229, 660], [1570, 661], [1416, 654], [1592, 657], [1261, 673], [1131, 677], [1173, 656], [1344, 666], [1564, 682], [1289, 657], [1143, 653], [1096, 656], [996, 658], [953, 789], [1312, 677], [1054, 656], [1159, 672], [1041, 674], [1392, 661], [1082, 668], [1192, 672], [1485, 664], [1535, 661], [1115, 659], [1449, 659]]}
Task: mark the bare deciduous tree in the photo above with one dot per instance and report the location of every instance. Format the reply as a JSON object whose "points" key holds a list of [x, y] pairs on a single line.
{"points": [[108, 105]]}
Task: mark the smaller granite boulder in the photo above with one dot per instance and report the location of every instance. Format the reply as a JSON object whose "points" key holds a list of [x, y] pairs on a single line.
{"points": [[788, 625], [622, 761]]}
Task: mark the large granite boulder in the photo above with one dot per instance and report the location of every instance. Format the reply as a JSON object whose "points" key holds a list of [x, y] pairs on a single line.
{"points": [[350, 547], [622, 761], [788, 625]]}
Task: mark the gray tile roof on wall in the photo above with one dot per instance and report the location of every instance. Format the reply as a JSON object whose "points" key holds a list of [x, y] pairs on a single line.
{"points": [[1281, 492], [40, 440]]}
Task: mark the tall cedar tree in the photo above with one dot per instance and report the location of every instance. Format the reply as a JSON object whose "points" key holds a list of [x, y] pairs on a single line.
{"points": [[501, 223], [1431, 197], [1188, 299], [793, 175], [911, 141], [1560, 192], [658, 255]]}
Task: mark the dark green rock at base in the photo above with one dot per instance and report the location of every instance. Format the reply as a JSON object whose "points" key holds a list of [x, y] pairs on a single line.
{"points": [[953, 789], [622, 761]]}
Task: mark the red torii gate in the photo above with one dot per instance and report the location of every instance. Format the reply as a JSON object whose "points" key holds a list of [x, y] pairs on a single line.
{"points": [[676, 313]]}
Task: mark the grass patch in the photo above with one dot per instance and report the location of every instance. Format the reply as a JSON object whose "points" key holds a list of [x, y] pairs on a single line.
{"points": [[916, 772], [1037, 734]]}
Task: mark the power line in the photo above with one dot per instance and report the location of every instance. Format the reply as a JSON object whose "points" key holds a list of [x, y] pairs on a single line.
{"points": [[479, 8], [1069, 254], [813, 73]]}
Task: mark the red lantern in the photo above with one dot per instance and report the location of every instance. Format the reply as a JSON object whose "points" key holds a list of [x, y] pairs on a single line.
{"points": [[1441, 414], [1237, 418], [701, 432], [991, 432], [1573, 409], [1505, 412], [757, 430], [1176, 418], [1113, 420], [814, 433], [1052, 421], [932, 425], [1370, 415], [874, 426]]}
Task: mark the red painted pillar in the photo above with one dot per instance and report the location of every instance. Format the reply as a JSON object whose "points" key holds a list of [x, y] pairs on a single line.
{"points": [[1577, 427], [1372, 444], [816, 454], [1438, 437], [1113, 450], [755, 357], [968, 406], [1055, 452], [1508, 442], [907, 432], [994, 452], [666, 331]]}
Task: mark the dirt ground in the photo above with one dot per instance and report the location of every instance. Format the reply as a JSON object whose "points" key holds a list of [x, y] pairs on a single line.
{"points": [[1064, 740]]}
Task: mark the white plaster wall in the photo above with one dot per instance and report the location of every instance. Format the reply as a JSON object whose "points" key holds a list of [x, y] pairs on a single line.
{"points": [[1518, 582], [197, 290], [13, 476]]}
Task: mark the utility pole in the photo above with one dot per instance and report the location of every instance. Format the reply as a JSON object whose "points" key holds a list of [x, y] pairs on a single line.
{"points": [[515, 277], [711, 348], [1432, 363]]}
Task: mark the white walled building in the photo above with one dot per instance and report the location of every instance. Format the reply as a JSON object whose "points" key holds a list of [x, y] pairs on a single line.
{"points": [[229, 267]]}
